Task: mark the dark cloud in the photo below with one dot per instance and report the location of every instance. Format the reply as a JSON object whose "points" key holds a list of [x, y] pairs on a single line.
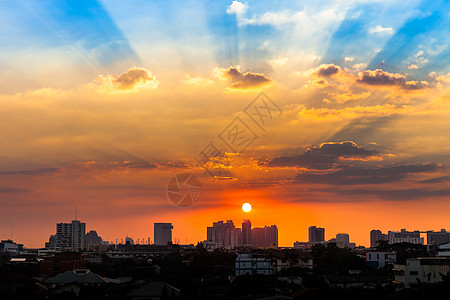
{"points": [[396, 195], [347, 148], [379, 77], [327, 70], [436, 180], [239, 80], [9, 190], [30, 172], [357, 175], [322, 156]]}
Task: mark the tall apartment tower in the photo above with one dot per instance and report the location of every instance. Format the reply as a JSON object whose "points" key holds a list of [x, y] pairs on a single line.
{"points": [[246, 232], [376, 236], [69, 236], [162, 233], [316, 234]]}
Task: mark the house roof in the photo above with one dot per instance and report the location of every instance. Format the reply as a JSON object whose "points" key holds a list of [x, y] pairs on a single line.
{"points": [[154, 289], [80, 276]]}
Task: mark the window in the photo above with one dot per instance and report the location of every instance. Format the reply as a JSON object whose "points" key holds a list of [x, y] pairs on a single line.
{"points": [[413, 273]]}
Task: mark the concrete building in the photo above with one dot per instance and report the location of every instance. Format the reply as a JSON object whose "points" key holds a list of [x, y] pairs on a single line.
{"points": [[438, 237], [421, 270], [69, 236], [380, 259], [250, 263], [444, 250], [10, 246], [316, 234], [376, 236], [404, 236], [246, 232], [162, 233]]}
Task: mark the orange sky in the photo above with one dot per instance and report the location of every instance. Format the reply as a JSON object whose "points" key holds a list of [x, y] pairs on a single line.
{"points": [[352, 132]]}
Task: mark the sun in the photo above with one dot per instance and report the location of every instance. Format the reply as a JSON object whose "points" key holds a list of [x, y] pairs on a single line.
{"points": [[247, 207]]}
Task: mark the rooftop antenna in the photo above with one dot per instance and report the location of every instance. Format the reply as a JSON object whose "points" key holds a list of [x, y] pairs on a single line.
{"points": [[11, 232], [76, 213]]}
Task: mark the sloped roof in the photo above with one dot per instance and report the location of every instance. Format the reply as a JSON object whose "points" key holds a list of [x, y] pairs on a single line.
{"points": [[154, 289], [85, 277]]}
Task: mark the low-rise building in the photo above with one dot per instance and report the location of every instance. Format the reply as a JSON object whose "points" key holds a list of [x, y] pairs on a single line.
{"points": [[421, 270], [303, 261], [380, 259], [444, 250], [252, 264]]}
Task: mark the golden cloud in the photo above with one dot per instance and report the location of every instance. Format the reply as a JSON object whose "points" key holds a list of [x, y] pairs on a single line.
{"points": [[133, 79]]}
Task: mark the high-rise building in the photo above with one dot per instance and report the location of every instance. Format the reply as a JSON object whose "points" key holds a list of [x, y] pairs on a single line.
{"points": [[376, 236], [266, 237], [316, 234], [162, 233], [224, 234], [68, 236], [271, 236], [246, 232], [342, 238]]}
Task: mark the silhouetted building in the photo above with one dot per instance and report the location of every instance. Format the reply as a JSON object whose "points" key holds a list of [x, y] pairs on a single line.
{"points": [[438, 238], [92, 240], [266, 237], [68, 236], [301, 245], [246, 232], [10, 246], [316, 234], [224, 234], [342, 240], [163, 233], [376, 236]]}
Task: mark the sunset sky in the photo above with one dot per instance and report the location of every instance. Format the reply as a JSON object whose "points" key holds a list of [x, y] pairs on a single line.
{"points": [[103, 102]]}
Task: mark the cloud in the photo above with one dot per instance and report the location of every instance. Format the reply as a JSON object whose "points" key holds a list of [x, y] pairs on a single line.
{"points": [[381, 29], [239, 80], [379, 77], [133, 79], [396, 194], [198, 81], [325, 70], [323, 156], [31, 172], [237, 8], [369, 175], [412, 67], [347, 58]]}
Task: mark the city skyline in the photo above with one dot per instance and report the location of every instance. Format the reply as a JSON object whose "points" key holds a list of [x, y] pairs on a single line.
{"points": [[333, 113], [68, 236]]}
